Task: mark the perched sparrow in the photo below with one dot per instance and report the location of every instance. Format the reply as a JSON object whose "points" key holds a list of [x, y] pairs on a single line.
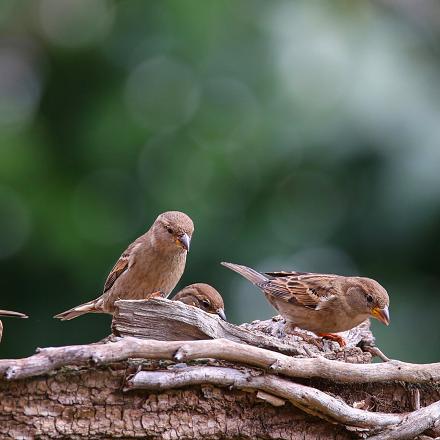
{"points": [[9, 313], [204, 297], [320, 303], [152, 265]]}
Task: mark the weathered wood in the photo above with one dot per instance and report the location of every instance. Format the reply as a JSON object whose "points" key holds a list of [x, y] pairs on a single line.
{"points": [[165, 320], [88, 403], [213, 388], [309, 399]]}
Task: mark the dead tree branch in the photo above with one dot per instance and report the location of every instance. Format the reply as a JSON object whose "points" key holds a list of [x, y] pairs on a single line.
{"points": [[50, 359]]}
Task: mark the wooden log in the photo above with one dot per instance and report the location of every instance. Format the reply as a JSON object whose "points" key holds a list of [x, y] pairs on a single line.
{"points": [[189, 375]]}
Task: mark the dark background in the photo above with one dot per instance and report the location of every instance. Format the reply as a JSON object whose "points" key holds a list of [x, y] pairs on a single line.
{"points": [[296, 134]]}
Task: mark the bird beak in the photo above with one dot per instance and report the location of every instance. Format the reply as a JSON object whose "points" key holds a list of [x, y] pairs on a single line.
{"points": [[383, 315], [222, 314], [184, 241]]}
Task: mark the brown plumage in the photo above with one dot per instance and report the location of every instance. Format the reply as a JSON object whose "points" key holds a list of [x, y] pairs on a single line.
{"points": [[12, 314], [320, 303], [204, 297], [152, 265]]}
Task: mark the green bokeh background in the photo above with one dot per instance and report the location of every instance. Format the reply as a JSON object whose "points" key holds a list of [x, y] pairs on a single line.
{"points": [[297, 134]]}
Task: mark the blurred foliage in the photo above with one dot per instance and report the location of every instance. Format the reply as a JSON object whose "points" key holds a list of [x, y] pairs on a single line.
{"points": [[297, 135]]}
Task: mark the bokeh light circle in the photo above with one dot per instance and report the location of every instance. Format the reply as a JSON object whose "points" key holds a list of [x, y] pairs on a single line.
{"points": [[15, 222], [106, 207], [20, 88], [228, 111], [75, 23], [162, 93]]}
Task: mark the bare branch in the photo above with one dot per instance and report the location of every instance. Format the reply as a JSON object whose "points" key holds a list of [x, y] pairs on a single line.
{"points": [[308, 399], [376, 352], [412, 425], [49, 359], [270, 398]]}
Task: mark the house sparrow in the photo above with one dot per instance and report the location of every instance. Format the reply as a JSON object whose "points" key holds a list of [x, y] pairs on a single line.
{"points": [[320, 303], [151, 266], [9, 313], [204, 297]]}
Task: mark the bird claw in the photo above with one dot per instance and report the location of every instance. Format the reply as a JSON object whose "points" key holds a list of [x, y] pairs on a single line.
{"points": [[335, 338], [158, 294], [290, 329]]}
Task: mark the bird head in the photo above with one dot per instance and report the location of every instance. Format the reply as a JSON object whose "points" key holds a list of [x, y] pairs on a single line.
{"points": [[204, 297], [368, 297], [174, 229]]}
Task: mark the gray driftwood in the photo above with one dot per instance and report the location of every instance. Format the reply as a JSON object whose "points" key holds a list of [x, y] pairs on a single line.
{"points": [[202, 387], [165, 320]]}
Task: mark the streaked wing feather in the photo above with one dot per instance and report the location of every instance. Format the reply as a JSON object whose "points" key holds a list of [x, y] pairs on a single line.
{"points": [[119, 268], [282, 273], [121, 265], [275, 290], [308, 290]]}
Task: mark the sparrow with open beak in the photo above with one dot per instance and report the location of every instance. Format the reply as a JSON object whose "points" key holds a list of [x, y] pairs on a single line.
{"points": [[151, 266], [204, 297], [321, 303], [11, 314]]}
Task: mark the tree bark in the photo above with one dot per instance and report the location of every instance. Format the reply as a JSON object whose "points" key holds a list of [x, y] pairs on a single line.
{"points": [[193, 385]]}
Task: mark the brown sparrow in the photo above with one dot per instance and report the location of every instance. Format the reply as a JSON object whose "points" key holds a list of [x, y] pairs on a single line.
{"points": [[151, 266], [204, 297], [321, 303]]}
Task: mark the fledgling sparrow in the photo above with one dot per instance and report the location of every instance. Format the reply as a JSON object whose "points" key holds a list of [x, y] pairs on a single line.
{"points": [[12, 314], [321, 303], [151, 266], [204, 297]]}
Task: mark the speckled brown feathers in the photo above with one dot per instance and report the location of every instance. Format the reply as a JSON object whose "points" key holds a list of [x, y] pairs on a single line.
{"points": [[9, 313], [322, 303], [204, 297], [152, 263]]}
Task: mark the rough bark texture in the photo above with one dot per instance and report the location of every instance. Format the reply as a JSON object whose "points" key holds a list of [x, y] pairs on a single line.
{"points": [[90, 403], [84, 400]]}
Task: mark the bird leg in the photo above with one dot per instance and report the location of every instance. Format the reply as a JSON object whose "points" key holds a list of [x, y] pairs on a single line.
{"points": [[332, 337], [290, 329], [158, 294]]}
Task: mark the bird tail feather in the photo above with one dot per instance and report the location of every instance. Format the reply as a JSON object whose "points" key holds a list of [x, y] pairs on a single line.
{"points": [[11, 313], [88, 307], [250, 274]]}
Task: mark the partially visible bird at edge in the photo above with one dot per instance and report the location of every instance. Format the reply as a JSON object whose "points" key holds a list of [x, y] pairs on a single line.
{"points": [[9, 313], [203, 296]]}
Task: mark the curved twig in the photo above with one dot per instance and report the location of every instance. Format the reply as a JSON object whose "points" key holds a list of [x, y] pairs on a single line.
{"points": [[306, 398], [49, 359], [412, 424]]}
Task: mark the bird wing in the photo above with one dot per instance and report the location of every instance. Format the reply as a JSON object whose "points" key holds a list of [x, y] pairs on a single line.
{"points": [[121, 265], [309, 290]]}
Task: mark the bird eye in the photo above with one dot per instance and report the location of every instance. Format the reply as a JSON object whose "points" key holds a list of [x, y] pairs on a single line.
{"points": [[206, 303], [170, 230], [369, 298]]}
